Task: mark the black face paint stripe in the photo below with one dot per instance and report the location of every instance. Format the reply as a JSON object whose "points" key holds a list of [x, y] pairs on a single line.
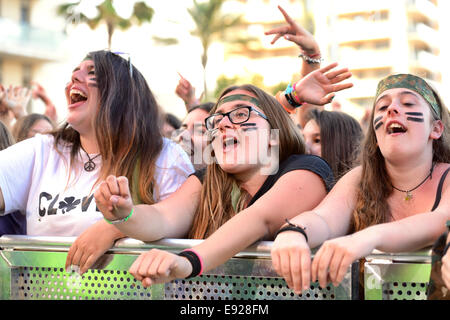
{"points": [[414, 119], [248, 126], [377, 123], [92, 85], [420, 114]]}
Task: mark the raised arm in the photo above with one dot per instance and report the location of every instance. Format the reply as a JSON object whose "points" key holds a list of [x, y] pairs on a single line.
{"points": [[294, 192], [300, 36]]}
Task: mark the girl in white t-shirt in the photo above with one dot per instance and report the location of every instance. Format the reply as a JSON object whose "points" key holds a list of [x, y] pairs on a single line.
{"points": [[113, 127]]}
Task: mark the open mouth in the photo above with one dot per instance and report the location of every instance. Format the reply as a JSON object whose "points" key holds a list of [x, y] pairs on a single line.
{"points": [[395, 128], [77, 96], [229, 142]]}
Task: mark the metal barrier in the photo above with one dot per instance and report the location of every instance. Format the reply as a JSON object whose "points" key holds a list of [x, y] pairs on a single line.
{"points": [[32, 268], [402, 276]]}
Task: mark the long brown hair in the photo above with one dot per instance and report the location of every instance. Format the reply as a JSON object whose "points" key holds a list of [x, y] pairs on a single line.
{"points": [[374, 188], [340, 137], [127, 125], [215, 206]]}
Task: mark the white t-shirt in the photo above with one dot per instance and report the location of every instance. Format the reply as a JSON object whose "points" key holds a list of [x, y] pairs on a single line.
{"points": [[34, 179]]}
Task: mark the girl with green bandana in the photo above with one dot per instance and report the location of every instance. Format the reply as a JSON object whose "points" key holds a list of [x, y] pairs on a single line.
{"points": [[240, 197], [398, 200]]}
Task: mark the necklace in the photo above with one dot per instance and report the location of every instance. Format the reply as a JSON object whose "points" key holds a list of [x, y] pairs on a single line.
{"points": [[90, 164], [408, 192]]}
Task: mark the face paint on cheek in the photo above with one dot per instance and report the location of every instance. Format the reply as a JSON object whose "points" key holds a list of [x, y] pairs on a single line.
{"points": [[248, 126], [94, 83], [418, 116], [377, 123], [414, 119]]}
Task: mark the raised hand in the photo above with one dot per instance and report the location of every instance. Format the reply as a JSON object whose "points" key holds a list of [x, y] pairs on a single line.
{"points": [[186, 92], [291, 259], [295, 33], [319, 86], [113, 198], [158, 266], [17, 99]]}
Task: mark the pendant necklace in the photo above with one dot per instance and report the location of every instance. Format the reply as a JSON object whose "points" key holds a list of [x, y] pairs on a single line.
{"points": [[408, 192], [90, 164]]}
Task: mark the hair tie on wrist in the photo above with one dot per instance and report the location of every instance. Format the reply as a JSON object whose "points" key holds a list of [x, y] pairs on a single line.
{"points": [[292, 227], [120, 220], [195, 260]]}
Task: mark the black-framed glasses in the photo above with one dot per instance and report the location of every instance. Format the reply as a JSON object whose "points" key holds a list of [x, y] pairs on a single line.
{"points": [[128, 58], [236, 116]]}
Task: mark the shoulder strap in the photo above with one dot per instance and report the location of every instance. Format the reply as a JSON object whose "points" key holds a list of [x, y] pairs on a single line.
{"points": [[439, 189]]}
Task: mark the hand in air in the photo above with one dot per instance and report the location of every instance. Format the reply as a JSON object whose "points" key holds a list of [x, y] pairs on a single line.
{"points": [[295, 33], [319, 86]]}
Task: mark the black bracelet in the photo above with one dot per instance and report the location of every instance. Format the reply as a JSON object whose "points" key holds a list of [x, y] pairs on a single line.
{"points": [[195, 262], [291, 100], [293, 227]]}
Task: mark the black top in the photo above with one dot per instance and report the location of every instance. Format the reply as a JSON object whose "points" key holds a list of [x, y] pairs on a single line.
{"points": [[308, 162], [439, 190]]}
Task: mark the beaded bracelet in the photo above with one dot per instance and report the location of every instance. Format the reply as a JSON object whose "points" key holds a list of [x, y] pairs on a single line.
{"points": [[310, 59]]}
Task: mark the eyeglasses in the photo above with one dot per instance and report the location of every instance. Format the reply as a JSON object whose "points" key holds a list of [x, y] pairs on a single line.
{"points": [[236, 116], [118, 53]]}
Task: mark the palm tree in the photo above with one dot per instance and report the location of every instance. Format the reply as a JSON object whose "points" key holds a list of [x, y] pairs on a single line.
{"points": [[211, 24], [107, 14]]}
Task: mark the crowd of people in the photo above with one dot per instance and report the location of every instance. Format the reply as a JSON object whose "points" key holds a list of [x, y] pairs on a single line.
{"points": [[280, 165]]}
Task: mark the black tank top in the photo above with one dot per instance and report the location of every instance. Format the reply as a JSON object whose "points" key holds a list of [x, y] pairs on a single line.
{"points": [[439, 189]]}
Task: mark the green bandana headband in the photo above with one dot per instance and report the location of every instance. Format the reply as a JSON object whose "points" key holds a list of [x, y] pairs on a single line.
{"points": [[241, 97], [411, 82]]}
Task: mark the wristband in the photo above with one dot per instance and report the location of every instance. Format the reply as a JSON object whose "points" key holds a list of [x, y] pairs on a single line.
{"points": [[195, 260], [288, 110], [288, 94], [310, 59], [119, 220], [292, 227]]}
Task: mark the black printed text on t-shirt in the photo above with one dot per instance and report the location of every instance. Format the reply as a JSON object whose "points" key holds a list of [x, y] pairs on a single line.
{"points": [[50, 205]]}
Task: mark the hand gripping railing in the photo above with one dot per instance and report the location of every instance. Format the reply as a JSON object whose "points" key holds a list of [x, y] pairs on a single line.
{"points": [[33, 268]]}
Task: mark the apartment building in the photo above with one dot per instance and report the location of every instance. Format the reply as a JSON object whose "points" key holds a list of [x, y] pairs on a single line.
{"points": [[31, 36], [377, 38], [277, 62]]}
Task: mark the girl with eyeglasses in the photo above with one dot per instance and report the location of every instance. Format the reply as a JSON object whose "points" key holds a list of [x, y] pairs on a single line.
{"points": [[112, 127], [258, 176]]}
